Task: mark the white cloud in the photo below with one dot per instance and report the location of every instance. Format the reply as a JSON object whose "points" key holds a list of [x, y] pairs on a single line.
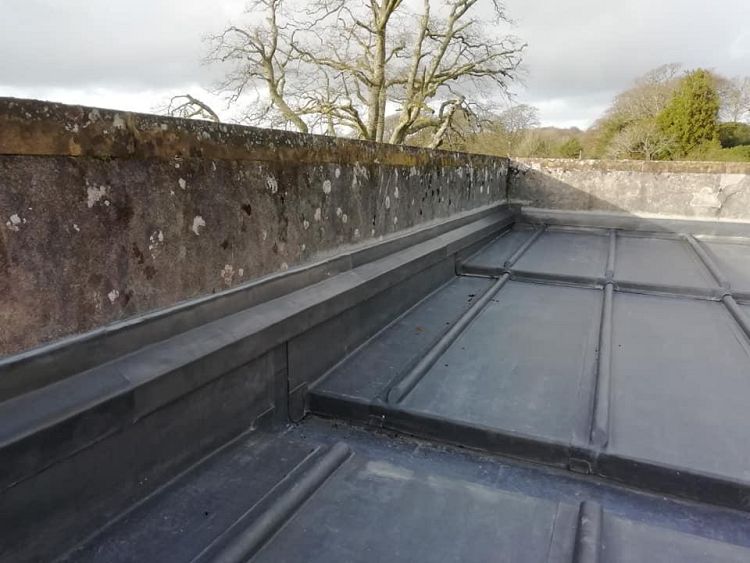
{"points": [[582, 52], [740, 49], [132, 55]]}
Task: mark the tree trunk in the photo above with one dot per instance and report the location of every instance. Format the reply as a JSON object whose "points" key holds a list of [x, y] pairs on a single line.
{"points": [[376, 97]]}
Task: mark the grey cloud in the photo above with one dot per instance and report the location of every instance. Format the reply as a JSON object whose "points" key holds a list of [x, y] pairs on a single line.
{"points": [[580, 54], [117, 44]]}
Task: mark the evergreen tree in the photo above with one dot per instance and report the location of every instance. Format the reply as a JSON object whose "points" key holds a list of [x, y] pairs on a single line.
{"points": [[572, 148], [691, 117]]}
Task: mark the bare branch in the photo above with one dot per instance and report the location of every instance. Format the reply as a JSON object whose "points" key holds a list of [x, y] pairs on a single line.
{"points": [[340, 66], [189, 107]]}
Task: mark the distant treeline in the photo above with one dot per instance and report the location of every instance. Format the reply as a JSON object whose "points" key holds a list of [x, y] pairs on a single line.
{"points": [[668, 114]]}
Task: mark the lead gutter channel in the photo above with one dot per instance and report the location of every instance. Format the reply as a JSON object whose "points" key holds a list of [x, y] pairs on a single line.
{"points": [[708, 262], [516, 256], [611, 255], [241, 541], [399, 391], [600, 423], [406, 385], [589, 533], [599, 436], [728, 298]]}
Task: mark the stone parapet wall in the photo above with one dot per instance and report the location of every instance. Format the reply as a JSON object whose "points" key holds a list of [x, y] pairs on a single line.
{"points": [[105, 215], [705, 190]]}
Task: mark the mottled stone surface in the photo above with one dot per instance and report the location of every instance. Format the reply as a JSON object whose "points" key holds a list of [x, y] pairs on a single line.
{"points": [[708, 190], [105, 215]]}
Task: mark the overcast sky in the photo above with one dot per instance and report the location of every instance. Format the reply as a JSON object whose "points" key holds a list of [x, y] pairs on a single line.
{"points": [[133, 54]]}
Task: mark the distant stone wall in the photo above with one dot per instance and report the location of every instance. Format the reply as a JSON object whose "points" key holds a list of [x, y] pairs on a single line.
{"points": [[106, 214], [709, 190]]}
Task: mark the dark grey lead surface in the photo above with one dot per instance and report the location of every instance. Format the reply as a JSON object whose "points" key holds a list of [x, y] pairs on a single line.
{"points": [[568, 253], [680, 385], [734, 259], [386, 354], [659, 402], [630, 375], [497, 253], [398, 499], [489, 376], [660, 261], [626, 541], [377, 510]]}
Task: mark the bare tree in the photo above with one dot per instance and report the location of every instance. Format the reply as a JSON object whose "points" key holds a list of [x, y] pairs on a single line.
{"points": [[190, 107], [650, 94], [631, 118], [348, 46], [514, 123], [735, 99], [341, 66], [642, 140], [260, 56], [448, 56]]}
